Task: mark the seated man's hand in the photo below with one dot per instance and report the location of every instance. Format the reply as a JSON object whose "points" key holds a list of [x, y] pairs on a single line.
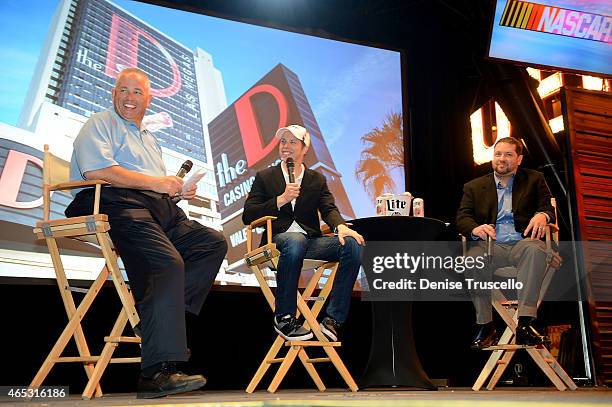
{"points": [[536, 226], [190, 193], [170, 185], [555, 260], [345, 231], [483, 230], [292, 191]]}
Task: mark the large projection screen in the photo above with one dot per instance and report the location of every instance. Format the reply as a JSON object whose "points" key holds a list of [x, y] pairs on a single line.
{"points": [[221, 89]]}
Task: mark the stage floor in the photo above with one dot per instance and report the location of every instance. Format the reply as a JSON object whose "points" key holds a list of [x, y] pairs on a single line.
{"points": [[452, 397]]}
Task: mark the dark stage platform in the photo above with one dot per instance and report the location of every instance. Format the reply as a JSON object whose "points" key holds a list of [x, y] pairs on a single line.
{"points": [[454, 397]]}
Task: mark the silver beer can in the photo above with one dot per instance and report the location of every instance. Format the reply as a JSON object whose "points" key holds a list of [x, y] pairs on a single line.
{"points": [[418, 208], [381, 205]]}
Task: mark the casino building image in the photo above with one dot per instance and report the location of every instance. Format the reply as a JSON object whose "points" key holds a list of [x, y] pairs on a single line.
{"points": [[88, 42]]}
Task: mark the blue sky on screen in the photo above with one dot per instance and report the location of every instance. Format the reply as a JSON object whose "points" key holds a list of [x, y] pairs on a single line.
{"points": [[350, 87]]}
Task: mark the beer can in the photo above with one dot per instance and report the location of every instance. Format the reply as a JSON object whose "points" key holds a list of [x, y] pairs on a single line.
{"points": [[381, 204], [418, 207], [408, 199]]}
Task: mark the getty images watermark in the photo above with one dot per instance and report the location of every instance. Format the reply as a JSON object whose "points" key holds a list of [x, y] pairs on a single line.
{"points": [[439, 271], [459, 264]]}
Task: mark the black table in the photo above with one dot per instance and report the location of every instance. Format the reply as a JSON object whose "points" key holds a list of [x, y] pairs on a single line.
{"points": [[393, 359]]}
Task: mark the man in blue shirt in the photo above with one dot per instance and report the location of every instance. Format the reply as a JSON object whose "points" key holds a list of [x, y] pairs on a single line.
{"points": [[170, 260], [511, 206]]}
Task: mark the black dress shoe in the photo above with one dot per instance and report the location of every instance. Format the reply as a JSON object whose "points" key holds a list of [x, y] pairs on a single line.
{"points": [[168, 380], [526, 334], [485, 336]]}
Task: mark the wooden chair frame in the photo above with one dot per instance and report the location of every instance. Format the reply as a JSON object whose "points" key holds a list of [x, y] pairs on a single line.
{"points": [[92, 229], [265, 256], [504, 351]]}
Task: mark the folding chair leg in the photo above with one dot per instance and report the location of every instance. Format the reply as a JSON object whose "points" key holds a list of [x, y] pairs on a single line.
{"points": [[330, 351], [492, 361], [127, 300], [283, 368], [69, 331], [501, 368], [265, 364], [341, 368], [263, 285], [69, 305], [311, 370], [106, 355], [557, 368], [548, 371], [311, 320]]}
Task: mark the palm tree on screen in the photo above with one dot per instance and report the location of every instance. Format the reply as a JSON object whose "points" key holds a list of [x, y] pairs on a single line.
{"points": [[383, 152]]}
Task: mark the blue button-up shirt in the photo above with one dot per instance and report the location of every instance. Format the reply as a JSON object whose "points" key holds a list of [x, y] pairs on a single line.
{"points": [[107, 139], [504, 226]]}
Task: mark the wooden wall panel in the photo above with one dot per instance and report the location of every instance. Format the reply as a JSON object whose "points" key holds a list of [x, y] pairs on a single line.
{"points": [[588, 121]]}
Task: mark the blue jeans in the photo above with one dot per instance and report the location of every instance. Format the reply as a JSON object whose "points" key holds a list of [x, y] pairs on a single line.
{"points": [[294, 248]]}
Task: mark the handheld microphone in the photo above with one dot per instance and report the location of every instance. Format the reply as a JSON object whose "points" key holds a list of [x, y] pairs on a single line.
{"points": [[290, 168], [185, 168]]}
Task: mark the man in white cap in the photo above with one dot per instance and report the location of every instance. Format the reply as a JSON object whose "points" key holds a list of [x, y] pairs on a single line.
{"points": [[297, 234]]}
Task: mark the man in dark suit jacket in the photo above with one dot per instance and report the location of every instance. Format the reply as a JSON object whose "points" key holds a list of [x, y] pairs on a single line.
{"points": [[297, 234], [511, 206]]}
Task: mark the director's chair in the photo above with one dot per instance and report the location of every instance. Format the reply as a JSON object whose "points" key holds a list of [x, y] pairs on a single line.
{"points": [[92, 229], [267, 256], [504, 351]]}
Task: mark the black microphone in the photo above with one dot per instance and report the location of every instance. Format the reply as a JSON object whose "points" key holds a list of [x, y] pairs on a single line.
{"points": [[185, 168], [290, 168]]}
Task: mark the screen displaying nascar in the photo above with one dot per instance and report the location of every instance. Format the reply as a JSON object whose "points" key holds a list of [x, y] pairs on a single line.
{"points": [[564, 34]]}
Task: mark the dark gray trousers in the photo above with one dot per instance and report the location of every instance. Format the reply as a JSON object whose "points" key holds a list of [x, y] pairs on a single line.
{"points": [[528, 257], [171, 263]]}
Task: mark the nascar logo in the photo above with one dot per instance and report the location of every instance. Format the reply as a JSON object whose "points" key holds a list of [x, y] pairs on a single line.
{"points": [[555, 20]]}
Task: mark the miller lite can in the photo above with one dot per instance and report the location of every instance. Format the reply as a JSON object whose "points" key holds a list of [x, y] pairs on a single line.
{"points": [[418, 208], [381, 204]]}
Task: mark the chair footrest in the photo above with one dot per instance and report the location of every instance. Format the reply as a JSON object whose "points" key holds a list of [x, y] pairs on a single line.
{"points": [[125, 360], [124, 339], [312, 343], [509, 347], [90, 360], [71, 359], [315, 298], [275, 360], [318, 360]]}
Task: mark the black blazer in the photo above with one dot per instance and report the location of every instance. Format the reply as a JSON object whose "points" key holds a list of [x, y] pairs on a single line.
{"points": [[530, 194], [314, 198]]}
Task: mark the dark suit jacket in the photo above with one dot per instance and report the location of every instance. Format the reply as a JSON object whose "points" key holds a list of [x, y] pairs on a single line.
{"points": [[314, 197], [530, 194]]}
